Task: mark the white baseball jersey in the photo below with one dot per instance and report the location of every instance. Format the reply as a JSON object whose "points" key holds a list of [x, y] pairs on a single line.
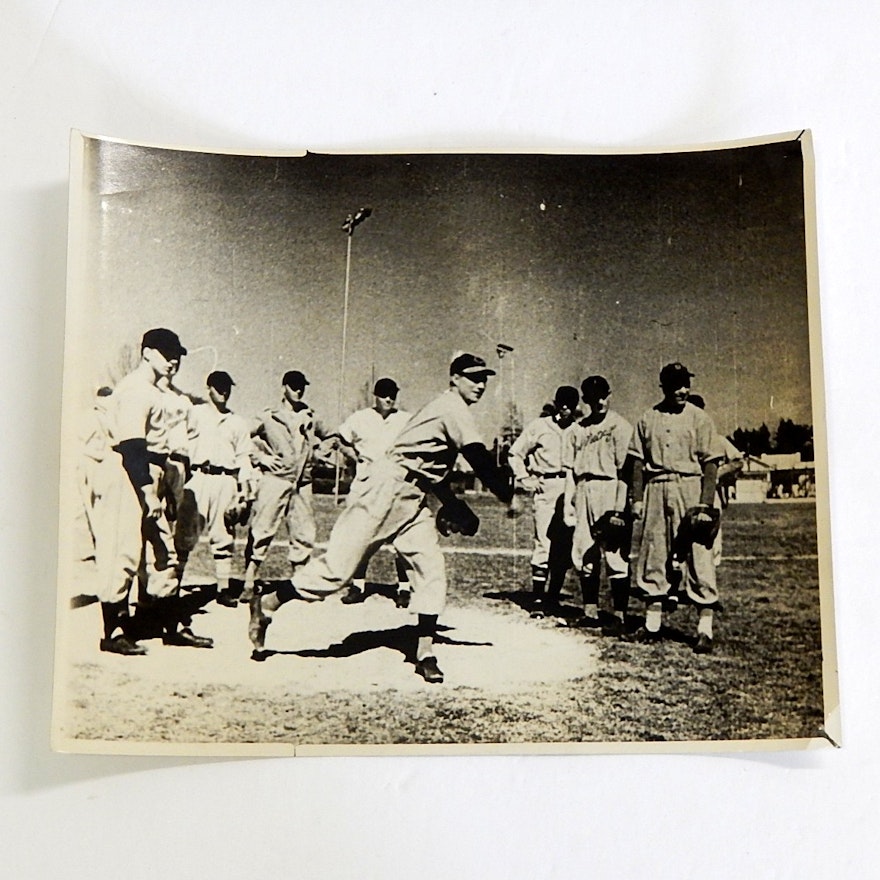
{"points": [[371, 435], [431, 440], [676, 442], [538, 450], [597, 449], [222, 439]]}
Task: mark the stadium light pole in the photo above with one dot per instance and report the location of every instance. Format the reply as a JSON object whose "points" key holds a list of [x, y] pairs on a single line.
{"points": [[502, 350], [352, 221]]}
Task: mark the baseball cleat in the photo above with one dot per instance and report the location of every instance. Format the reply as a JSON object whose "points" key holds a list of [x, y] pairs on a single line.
{"points": [[227, 599], [703, 645], [429, 670], [354, 596], [584, 622], [258, 624], [614, 629], [644, 636], [402, 598], [187, 639], [123, 645]]}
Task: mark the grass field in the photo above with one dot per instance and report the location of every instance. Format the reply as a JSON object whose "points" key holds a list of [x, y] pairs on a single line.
{"points": [[343, 674]]}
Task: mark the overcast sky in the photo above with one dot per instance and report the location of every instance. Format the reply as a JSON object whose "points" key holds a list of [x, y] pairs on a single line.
{"points": [[583, 264]]}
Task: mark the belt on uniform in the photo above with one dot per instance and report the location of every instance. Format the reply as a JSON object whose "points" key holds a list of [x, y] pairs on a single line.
{"points": [[669, 477], [418, 480], [179, 456], [215, 470], [583, 478], [555, 475]]}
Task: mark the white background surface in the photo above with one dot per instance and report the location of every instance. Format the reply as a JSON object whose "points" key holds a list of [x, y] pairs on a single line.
{"points": [[456, 75]]}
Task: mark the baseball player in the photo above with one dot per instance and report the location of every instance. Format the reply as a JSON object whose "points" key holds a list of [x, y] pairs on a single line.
{"points": [[728, 470], [676, 453], [283, 446], [221, 474], [88, 468], [169, 538], [366, 435], [536, 461], [390, 505], [129, 513], [595, 452]]}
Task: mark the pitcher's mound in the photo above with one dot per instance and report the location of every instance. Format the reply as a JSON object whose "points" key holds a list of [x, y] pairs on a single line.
{"points": [[327, 646]]}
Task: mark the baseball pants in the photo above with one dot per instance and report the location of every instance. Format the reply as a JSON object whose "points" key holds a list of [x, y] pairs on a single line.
{"points": [[667, 499], [214, 493], [546, 496], [183, 513], [117, 520], [592, 498], [279, 499], [386, 509]]}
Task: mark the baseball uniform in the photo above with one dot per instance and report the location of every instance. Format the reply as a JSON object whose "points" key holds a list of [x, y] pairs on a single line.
{"points": [[221, 472], [134, 412], [370, 434], [390, 505], [283, 443], [674, 447], [594, 454], [536, 461]]}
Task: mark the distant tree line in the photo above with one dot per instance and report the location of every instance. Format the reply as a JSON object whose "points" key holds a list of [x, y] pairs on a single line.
{"points": [[789, 437]]}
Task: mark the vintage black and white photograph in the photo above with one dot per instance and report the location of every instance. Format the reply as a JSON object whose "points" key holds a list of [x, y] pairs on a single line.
{"points": [[454, 451]]}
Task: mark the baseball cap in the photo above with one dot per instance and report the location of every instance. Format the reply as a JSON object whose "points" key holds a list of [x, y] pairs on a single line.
{"points": [[469, 365], [566, 395], [167, 342], [595, 388], [295, 379], [220, 379], [386, 388], [675, 375]]}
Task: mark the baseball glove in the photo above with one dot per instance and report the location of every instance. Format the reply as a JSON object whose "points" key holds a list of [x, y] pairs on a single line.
{"points": [[611, 530], [455, 517], [700, 525], [237, 514]]}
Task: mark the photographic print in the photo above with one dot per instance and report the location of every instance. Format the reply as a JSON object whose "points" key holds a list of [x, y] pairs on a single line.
{"points": [[443, 452]]}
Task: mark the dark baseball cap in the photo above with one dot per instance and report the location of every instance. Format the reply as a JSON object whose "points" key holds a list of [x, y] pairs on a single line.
{"points": [[386, 388], [566, 395], [469, 365], [220, 379], [675, 375], [595, 388], [165, 341], [295, 379]]}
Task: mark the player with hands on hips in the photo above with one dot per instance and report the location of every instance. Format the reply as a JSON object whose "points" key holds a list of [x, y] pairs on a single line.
{"points": [[390, 505], [676, 451], [595, 453], [536, 461], [283, 446], [366, 435]]}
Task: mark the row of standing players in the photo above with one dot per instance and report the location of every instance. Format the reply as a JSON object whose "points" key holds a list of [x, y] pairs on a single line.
{"points": [[583, 470], [163, 471]]}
